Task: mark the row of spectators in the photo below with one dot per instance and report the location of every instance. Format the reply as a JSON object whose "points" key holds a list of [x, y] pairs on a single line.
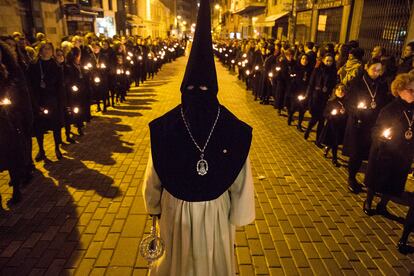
{"points": [[367, 107], [46, 88]]}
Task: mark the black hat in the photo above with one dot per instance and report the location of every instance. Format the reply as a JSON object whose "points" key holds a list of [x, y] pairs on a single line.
{"points": [[200, 74]]}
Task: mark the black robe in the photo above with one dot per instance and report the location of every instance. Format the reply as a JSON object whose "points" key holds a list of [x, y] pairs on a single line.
{"points": [[299, 86], [334, 129], [359, 124], [76, 97], [390, 160], [322, 82], [48, 98], [285, 78], [15, 125]]}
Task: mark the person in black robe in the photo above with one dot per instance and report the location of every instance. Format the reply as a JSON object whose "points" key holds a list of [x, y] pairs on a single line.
{"points": [[392, 153], [285, 71], [98, 77], [258, 71], [321, 84], [15, 123], [407, 61], [368, 94], [298, 101], [46, 87], [269, 74], [76, 94], [333, 132]]}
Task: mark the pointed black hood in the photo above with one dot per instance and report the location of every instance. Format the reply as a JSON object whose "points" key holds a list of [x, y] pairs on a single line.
{"points": [[200, 73]]}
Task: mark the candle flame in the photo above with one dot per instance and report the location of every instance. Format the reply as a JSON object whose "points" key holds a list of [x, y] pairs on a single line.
{"points": [[5, 101], [301, 97], [270, 75], [362, 105], [76, 110], [127, 72], [97, 80], [334, 111], [75, 88], [387, 133], [247, 72]]}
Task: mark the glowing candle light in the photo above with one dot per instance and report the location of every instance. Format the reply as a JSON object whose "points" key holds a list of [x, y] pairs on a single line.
{"points": [[362, 105], [97, 80], [270, 75], [334, 112], [76, 110], [247, 72], [278, 68], [5, 101], [301, 97], [75, 88], [387, 134]]}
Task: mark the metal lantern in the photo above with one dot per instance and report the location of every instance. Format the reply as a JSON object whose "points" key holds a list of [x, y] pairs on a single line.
{"points": [[152, 247]]}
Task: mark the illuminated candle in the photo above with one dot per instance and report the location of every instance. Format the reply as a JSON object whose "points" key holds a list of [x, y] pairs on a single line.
{"points": [[239, 63], [387, 134], [89, 65], [128, 58], [226, 55], [155, 59], [5, 101], [140, 57], [76, 110], [301, 97], [334, 112], [118, 71], [103, 65], [45, 111], [127, 72], [97, 80], [362, 105], [75, 88], [244, 55], [278, 68], [270, 75], [256, 67], [130, 54], [247, 72], [232, 61]]}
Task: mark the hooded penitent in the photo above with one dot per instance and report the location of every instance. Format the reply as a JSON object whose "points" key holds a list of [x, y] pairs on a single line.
{"points": [[174, 152]]}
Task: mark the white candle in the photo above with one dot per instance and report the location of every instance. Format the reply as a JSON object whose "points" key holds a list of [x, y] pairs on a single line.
{"points": [[75, 88], [5, 101]]}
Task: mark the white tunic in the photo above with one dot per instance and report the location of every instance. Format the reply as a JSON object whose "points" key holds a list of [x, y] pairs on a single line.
{"points": [[199, 236]]}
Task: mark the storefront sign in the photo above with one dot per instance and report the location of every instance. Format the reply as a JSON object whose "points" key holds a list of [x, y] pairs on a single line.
{"points": [[327, 4], [322, 22]]}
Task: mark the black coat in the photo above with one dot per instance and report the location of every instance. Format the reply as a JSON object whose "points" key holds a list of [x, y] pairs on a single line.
{"points": [[299, 86], [76, 97], [334, 128], [360, 122], [15, 125], [321, 84], [285, 78], [50, 97], [390, 159]]}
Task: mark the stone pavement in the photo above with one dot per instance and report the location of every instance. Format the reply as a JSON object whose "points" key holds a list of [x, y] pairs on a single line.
{"points": [[85, 215]]}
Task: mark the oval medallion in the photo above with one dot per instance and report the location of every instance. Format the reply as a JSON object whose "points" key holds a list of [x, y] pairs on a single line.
{"points": [[202, 167], [373, 104], [408, 134]]}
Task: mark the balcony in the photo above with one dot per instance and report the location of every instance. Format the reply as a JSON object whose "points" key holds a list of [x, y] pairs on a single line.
{"points": [[247, 6]]}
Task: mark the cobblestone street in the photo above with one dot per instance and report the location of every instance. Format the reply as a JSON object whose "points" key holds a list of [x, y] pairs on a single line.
{"points": [[85, 214]]}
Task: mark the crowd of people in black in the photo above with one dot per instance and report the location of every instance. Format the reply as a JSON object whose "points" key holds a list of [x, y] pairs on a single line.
{"points": [[361, 101], [46, 88]]}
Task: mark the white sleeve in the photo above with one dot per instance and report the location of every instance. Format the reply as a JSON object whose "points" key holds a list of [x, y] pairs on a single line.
{"points": [[151, 189], [242, 210]]}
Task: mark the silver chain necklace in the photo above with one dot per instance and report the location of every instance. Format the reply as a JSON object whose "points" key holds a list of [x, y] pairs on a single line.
{"points": [[409, 133], [202, 165], [373, 103]]}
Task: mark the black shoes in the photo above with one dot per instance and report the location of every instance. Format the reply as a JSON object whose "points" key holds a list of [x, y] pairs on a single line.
{"points": [[381, 209], [40, 156], [354, 186], [336, 163], [404, 248], [299, 127], [367, 209]]}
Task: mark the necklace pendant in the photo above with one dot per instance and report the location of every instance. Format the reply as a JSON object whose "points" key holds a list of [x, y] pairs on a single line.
{"points": [[42, 84], [342, 110], [408, 134], [202, 166], [373, 104]]}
